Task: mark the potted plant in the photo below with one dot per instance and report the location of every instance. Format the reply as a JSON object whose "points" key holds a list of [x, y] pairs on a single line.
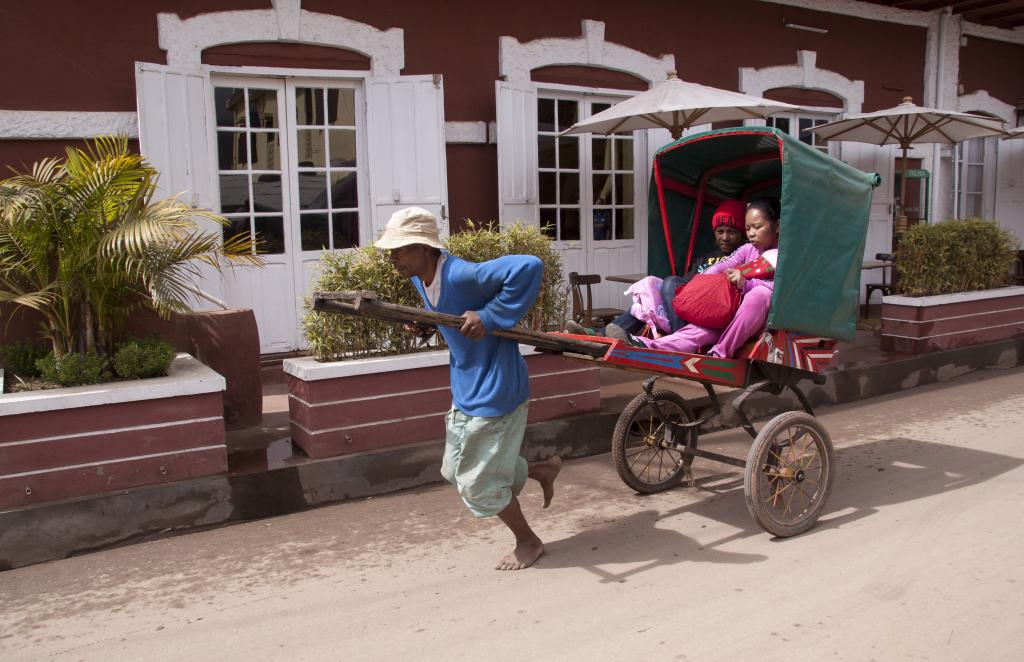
{"points": [[83, 244], [954, 281], [368, 384]]}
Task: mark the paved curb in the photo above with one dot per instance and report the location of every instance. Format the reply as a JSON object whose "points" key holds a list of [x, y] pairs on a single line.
{"points": [[53, 531]]}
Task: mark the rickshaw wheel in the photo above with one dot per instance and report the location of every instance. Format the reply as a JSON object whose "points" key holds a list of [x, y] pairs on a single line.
{"points": [[789, 474], [642, 443]]}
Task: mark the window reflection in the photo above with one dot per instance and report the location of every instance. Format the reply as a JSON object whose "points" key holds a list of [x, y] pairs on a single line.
{"points": [[624, 224], [341, 107], [568, 113], [343, 147], [603, 189], [570, 224], [313, 229], [568, 152], [270, 234], [230, 106], [231, 150], [569, 188], [602, 224], [237, 227], [624, 153], [263, 147], [547, 188], [624, 189], [343, 190], [313, 189], [310, 147], [346, 229], [601, 154], [546, 115], [234, 194], [549, 222], [546, 152], [262, 109], [309, 106], [266, 193]]}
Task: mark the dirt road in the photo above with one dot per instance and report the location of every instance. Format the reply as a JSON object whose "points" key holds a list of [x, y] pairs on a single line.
{"points": [[919, 557]]}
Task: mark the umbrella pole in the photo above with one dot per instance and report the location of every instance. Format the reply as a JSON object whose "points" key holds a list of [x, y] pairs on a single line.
{"points": [[901, 220]]}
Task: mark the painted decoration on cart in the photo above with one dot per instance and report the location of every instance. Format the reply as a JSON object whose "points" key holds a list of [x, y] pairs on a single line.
{"points": [[796, 350], [701, 367]]}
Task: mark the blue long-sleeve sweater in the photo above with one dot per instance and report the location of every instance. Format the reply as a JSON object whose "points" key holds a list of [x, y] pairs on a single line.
{"points": [[489, 376]]}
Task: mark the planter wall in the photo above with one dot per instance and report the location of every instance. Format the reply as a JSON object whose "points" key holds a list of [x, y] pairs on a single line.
{"points": [[352, 406], [914, 325], [71, 442]]}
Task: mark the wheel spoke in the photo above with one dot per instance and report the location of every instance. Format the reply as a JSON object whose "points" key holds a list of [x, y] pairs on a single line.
{"points": [[810, 498]]}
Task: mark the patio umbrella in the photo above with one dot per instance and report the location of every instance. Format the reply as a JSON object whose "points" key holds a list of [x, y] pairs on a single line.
{"points": [[677, 105], [905, 125], [1015, 134]]}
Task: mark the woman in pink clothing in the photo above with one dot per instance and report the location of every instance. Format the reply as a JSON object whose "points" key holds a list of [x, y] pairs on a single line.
{"points": [[762, 225]]}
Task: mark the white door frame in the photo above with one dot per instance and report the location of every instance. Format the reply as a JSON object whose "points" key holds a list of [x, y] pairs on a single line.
{"points": [[294, 261]]}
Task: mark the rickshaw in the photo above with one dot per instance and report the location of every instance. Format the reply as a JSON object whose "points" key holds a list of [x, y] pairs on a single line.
{"points": [[790, 468]]}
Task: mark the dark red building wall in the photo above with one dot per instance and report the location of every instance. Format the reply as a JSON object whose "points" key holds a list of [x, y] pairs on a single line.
{"points": [[90, 50], [994, 66]]}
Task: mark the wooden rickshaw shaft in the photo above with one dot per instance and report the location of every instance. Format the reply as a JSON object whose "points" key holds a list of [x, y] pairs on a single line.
{"points": [[364, 303]]}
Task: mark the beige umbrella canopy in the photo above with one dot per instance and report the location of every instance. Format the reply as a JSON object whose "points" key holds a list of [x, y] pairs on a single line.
{"points": [[677, 105], [905, 125], [1015, 134]]}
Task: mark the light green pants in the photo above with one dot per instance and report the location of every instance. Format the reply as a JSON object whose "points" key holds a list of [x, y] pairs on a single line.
{"points": [[481, 459]]}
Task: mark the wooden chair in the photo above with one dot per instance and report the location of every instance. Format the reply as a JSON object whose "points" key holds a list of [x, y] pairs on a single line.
{"points": [[583, 310], [888, 285], [1017, 272]]}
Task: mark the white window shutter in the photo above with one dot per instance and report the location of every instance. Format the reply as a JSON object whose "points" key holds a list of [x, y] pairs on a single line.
{"points": [[988, 198], [405, 138], [656, 139], [1010, 187], [871, 158], [174, 136], [517, 153]]}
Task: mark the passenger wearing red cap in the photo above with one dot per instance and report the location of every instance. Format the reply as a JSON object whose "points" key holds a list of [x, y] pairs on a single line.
{"points": [[728, 224]]}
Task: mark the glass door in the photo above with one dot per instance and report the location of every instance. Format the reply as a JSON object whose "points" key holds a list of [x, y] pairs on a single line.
{"points": [[587, 192], [290, 156]]}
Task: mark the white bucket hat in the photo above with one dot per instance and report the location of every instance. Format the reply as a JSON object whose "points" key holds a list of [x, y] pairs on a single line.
{"points": [[412, 225]]}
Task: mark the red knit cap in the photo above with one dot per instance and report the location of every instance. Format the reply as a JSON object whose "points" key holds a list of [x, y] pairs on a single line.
{"points": [[731, 213]]}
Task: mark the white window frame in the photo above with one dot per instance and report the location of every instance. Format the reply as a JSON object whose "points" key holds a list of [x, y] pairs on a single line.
{"points": [[361, 169], [819, 115], [585, 95], [265, 83], [289, 79], [961, 170]]}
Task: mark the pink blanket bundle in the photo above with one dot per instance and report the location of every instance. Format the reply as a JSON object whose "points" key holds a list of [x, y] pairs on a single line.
{"points": [[648, 306]]}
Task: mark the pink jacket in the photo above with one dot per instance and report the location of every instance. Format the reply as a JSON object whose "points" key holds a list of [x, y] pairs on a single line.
{"points": [[742, 255], [647, 304]]}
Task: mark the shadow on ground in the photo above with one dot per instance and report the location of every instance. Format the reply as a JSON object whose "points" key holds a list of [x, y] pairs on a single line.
{"points": [[870, 476]]}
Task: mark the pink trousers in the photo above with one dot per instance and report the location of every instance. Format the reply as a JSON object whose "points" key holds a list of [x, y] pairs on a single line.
{"points": [[749, 319]]}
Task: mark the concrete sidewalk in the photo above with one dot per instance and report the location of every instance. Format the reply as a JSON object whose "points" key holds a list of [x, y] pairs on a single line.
{"points": [[267, 477]]}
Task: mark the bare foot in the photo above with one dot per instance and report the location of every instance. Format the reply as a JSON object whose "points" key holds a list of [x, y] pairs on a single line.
{"points": [[523, 556], [545, 473]]}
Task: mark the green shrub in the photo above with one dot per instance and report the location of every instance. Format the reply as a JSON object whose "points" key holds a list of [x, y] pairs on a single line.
{"points": [[486, 242], [74, 369], [333, 337], [954, 256], [143, 358], [20, 358]]}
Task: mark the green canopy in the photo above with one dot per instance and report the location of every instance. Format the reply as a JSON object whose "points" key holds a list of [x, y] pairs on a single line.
{"points": [[824, 219]]}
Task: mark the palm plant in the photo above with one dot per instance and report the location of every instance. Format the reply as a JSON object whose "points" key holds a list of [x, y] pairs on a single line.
{"points": [[83, 243]]}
